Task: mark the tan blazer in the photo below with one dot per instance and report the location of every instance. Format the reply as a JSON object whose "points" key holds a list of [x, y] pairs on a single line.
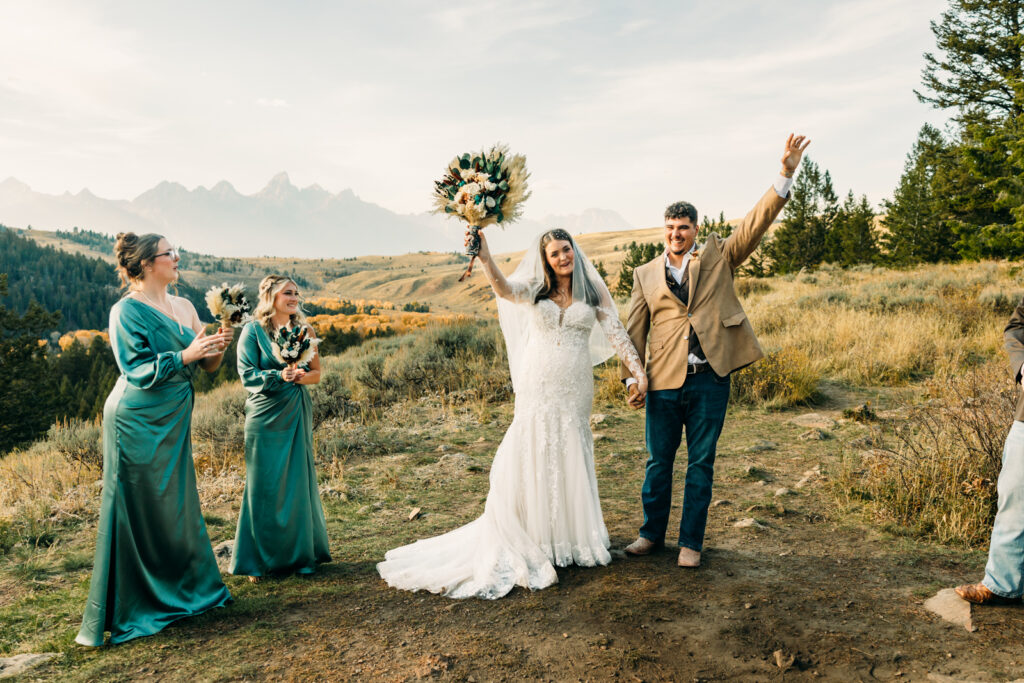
{"points": [[714, 312]]}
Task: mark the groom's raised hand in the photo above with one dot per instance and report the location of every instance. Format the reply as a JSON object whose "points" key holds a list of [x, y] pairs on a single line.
{"points": [[794, 152]]}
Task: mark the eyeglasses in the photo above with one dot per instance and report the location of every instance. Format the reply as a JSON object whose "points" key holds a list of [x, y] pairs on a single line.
{"points": [[173, 253]]}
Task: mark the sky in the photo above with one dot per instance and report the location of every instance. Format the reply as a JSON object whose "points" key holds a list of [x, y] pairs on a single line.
{"points": [[616, 105]]}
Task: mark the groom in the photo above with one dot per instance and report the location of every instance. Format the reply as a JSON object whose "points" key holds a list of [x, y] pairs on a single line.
{"points": [[699, 334]]}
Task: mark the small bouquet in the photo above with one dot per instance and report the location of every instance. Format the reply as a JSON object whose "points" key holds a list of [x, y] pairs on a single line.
{"points": [[294, 346], [482, 188], [229, 305]]}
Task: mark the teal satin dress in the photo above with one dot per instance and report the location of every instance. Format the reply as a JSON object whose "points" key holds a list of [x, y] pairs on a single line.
{"points": [[281, 525], [153, 563]]}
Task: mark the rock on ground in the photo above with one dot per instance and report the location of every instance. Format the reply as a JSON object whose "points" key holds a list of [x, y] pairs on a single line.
{"points": [[19, 664], [223, 551], [749, 523], [951, 607]]}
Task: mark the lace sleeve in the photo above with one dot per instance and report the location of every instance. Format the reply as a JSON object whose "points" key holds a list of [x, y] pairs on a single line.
{"points": [[620, 341], [518, 292]]}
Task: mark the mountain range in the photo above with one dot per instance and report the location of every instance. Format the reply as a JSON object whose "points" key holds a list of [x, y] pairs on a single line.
{"points": [[279, 220]]}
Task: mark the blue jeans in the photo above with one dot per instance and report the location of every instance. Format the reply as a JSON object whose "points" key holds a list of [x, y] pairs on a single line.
{"points": [[1004, 573], [698, 407]]}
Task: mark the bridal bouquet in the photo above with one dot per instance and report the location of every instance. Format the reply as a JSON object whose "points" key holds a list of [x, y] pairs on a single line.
{"points": [[482, 188], [293, 346], [229, 305]]}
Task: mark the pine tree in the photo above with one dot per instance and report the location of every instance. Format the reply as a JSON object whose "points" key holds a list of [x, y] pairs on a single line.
{"points": [[719, 226], [980, 74], [916, 219], [26, 398], [802, 239], [853, 238], [637, 254]]}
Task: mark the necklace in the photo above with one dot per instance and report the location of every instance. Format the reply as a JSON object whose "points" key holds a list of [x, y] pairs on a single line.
{"points": [[171, 314]]}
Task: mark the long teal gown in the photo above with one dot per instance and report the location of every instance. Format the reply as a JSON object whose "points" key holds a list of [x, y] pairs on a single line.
{"points": [[153, 563], [281, 525]]}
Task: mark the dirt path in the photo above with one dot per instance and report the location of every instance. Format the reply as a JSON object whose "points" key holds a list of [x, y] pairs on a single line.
{"points": [[840, 600]]}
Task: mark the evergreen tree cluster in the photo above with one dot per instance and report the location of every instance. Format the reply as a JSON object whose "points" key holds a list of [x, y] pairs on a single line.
{"points": [[961, 195], [816, 228], [90, 238], [82, 288]]}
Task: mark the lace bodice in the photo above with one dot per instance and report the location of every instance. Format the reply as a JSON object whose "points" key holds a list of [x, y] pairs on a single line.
{"points": [[571, 327]]}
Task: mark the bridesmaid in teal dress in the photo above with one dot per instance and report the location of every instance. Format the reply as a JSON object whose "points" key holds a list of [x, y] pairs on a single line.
{"points": [[153, 562], [281, 525]]}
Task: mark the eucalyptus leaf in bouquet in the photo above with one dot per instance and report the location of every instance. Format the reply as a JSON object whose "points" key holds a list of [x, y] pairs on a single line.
{"points": [[229, 305], [483, 188], [293, 345]]}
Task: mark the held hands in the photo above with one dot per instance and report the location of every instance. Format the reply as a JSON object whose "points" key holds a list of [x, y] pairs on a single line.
{"points": [[637, 393], [206, 346], [292, 373], [795, 146], [485, 252]]}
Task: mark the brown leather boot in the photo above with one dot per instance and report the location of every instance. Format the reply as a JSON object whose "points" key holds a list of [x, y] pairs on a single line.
{"points": [[979, 594]]}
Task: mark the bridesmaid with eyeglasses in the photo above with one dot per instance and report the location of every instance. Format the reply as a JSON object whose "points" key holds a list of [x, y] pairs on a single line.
{"points": [[153, 562]]}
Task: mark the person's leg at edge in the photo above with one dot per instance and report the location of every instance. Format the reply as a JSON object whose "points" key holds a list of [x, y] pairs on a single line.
{"points": [[1004, 573]]}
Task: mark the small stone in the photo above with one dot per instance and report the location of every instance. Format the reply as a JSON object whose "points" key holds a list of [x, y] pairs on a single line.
{"points": [[443, 448], [453, 458], [378, 505], [782, 492], [222, 552], [749, 523], [815, 435], [599, 437], [720, 502], [414, 513], [565, 635], [761, 446], [597, 418], [761, 483], [748, 605], [481, 440], [785, 553]]}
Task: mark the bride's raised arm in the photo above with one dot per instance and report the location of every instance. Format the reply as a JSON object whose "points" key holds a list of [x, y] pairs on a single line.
{"points": [[516, 292]]}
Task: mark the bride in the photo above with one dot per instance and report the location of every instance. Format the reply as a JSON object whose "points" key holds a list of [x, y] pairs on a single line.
{"points": [[542, 510]]}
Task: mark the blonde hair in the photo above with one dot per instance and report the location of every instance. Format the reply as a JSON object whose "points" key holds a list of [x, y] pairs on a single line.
{"points": [[269, 287]]}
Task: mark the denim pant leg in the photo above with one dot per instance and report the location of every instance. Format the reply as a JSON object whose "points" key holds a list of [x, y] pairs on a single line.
{"points": [[664, 433], [1004, 573], [706, 397]]}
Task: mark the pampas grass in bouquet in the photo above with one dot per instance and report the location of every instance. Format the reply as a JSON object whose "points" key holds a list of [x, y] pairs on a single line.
{"points": [[293, 346], [482, 188], [229, 305]]}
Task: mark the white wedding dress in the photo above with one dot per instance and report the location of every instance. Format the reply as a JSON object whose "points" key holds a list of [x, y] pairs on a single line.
{"points": [[543, 509]]}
